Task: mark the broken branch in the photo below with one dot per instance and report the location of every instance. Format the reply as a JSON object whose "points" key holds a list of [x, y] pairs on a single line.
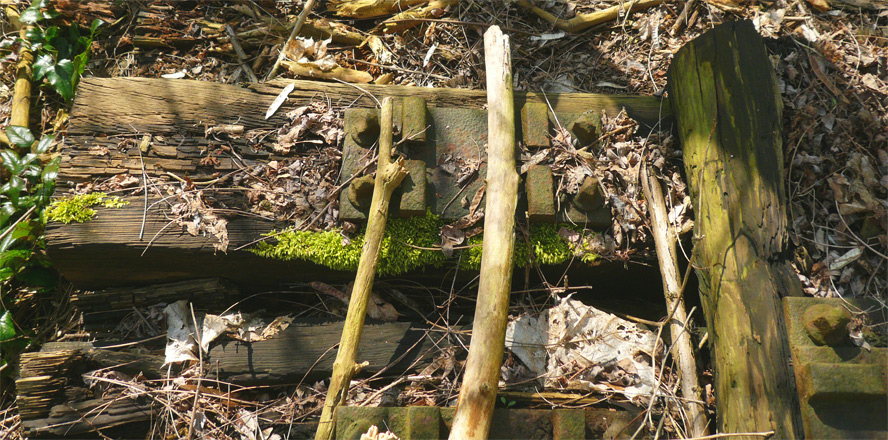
{"points": [[388, 176]]}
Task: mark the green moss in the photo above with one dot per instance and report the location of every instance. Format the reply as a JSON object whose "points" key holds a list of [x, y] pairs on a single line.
{"points": [[400, 251], [79, 208]]}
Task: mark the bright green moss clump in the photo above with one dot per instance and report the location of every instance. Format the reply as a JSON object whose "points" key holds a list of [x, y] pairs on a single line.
{"points": [[396, 254], [79, 208], [399, 252]]}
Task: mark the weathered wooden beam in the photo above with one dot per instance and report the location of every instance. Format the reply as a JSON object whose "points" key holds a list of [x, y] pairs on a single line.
{"points": [[158, 106], [108, 251], [728, 113], [54, 399]]}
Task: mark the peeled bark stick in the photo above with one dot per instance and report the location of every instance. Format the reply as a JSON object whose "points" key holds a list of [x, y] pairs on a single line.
{"points": [[298, 26], [664, 240], [388, 176], [477, 395], [21, 99], [585, 21]]}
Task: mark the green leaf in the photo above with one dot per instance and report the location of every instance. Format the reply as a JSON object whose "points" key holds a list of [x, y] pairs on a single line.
{"points": [[16, 184], [94, 26], [44, 64], [49, 15], [51, 170], [35, 35], [31, 15], [6, 212], [44, 144], [51, 33], [60, 79], [11, 161], [27, 159], [7, 327], [11, 258], [38, 277], [20, 136]]}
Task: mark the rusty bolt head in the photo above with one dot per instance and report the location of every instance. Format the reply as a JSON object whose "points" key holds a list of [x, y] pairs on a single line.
{"points": [[365, 130], [827, 324], [586, 129], [589, 196], [360, 192]]}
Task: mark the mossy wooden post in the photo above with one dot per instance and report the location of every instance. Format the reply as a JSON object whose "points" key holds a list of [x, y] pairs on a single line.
{"points": [[388, 176], [477, 395], [728, 112]]}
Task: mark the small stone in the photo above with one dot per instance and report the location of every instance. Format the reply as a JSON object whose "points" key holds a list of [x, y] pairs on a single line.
{"points": [[827, 325]]}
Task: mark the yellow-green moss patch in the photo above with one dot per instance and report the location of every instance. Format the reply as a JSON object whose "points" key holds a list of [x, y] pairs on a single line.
{"points": [[79, 208], [400, 251]]}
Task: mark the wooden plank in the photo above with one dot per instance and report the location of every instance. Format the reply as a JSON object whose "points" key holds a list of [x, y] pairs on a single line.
{"points": [[126, 105], [728, 113], [53, 398], [107, 251]]}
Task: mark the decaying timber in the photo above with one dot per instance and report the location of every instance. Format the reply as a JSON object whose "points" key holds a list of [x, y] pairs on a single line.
{"points": [[112, 119], [728, 112], [54, 399]]}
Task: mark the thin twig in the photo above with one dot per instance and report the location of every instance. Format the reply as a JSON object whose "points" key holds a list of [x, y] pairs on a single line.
{"points": [[765, 434], [399, 69], [241, 55]]}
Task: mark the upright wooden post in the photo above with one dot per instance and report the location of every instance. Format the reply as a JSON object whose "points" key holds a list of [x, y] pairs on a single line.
{"points": [[388, 176], [728, 112], [477, 395]]}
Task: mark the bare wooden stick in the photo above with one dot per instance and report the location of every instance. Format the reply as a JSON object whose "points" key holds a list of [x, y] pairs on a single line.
{"points": [[20, 113], [388, 176], [477, 395], [664, 240], [585, 21], [296, 28], [241, 55]]}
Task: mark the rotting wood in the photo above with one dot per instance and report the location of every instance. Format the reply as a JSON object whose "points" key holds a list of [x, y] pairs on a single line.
{"points": [[728, 112], [53, 397], [159, 106], [665, 237], [585, 21], [111, 115], [389, 175], [477, 395], [112, 304]]}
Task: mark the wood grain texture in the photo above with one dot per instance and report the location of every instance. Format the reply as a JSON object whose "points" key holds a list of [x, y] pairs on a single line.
{"points": [[54, 400], [115, 113], [728, 113], [477, 394]]}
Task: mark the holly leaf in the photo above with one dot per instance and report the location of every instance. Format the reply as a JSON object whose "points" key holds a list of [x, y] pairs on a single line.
{"points": [[31, 15], [60, 78], [20, 136], [44, 64], [11, 161], [44, 144], [7, 327], [35, 35]]}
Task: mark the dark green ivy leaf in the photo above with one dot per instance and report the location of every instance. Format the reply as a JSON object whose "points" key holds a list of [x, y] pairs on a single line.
{"points": [[20, 136]]}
